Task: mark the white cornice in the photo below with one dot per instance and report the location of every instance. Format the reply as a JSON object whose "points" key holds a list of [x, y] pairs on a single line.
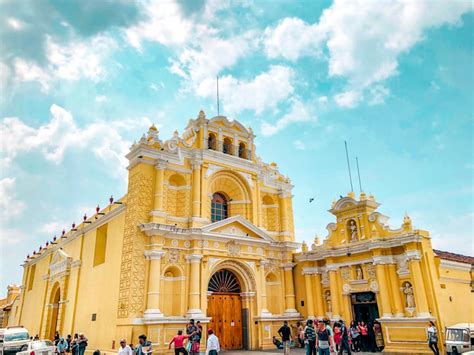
{"points": [[449, 264], [324, 252]]}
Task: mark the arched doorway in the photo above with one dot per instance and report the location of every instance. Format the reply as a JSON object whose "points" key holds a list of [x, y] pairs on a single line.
{"points": [[225, 309], [55, 299]]}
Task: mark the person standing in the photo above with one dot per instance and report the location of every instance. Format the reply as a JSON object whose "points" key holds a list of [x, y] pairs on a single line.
{"points": [[178, 341], [337, 335], [69, 341], [56, 338], [324, 342], [191, 331], [213, 346], [344, 345], [81, 344], [197, 336], [300, 331], [143, 347], [285, 333], [355, 336], [124, 348], [433, 338], [62, 346], [371, 339], [74, 345], [364, 336], [310, 338]]}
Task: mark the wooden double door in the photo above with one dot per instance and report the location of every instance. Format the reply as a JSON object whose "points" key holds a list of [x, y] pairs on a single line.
{"points": [[225, 310]]}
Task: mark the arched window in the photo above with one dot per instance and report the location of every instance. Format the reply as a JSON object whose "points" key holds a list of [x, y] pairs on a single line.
{"points": [[227, 147], [219, 208], [212, 141], [242, 151]]}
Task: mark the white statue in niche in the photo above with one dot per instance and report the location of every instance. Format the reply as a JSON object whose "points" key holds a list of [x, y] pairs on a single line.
{"points": [[328, 301], [353, 231], [359, 273], [409, 295]]}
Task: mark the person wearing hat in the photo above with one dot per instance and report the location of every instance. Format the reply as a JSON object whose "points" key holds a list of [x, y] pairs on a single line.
{"points": [[213, 346]]}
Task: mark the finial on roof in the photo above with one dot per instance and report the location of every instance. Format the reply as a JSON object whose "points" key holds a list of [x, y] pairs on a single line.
{"points": [[351, 194], [304, 247], [201, 115], [371, 197], [363, 196], [407, 224], [317, 240], [153, 127]]}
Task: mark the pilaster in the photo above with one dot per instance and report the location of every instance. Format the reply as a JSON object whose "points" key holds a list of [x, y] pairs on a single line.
{"points": [[290, 303], [154, 283], [194, 302], [336, 313]]}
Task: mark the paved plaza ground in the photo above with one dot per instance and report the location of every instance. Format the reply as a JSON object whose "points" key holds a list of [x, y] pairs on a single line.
{"points": [[275, 352]]}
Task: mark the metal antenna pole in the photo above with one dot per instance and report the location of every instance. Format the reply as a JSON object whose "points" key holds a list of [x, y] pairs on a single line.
{"points": [[218, 111], [358, 173], [348, 166]]}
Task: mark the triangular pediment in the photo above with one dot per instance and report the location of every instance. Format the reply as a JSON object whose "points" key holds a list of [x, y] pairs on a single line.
{"points": [[59, 256], [237, 226]]}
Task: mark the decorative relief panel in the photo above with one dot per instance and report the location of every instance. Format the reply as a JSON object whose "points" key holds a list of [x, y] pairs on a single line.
{"points": [[371, 271], [233, 248], [133, 264], [174, 256], [345, 273]]}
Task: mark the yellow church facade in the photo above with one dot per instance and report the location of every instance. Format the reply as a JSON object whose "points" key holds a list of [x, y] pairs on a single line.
{"points": [[206, 232]]}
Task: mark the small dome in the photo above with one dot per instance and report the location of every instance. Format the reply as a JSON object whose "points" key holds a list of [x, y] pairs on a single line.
{"points": [[153, 128]]}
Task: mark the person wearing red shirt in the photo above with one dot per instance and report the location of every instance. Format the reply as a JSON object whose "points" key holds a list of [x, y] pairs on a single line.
{"points": [[178, 341]]}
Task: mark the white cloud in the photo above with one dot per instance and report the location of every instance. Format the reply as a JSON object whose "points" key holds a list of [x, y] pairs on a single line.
{"points": [[9, 205], [79, 59], [299, 112], [378, 94], [348, 99], [61, 133], [157, 87], [11, 236], [299, 145], [264, 92], [292, 38], [29, 71], [364, 38], [101, 98], [15, 23], [205, 60], [74, 61], [163, 22]]}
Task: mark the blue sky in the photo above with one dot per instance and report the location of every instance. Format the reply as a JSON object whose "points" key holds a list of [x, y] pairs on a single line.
{"points": [[80, 80]]}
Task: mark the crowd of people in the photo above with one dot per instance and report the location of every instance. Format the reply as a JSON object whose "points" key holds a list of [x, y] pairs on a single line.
{"points": [[185, 344], [319, 337]]}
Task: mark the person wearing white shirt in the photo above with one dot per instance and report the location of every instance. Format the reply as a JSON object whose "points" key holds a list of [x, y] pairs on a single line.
{"points": [[124, 348], [213, 346]]}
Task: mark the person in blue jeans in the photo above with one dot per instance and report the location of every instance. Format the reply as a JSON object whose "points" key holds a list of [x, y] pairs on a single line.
{"points": [[325, 342], [81, 344], [310, 338]]}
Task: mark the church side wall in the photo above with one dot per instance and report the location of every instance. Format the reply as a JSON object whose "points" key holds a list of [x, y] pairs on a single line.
{"points": [[97, 289], [455, 297]]}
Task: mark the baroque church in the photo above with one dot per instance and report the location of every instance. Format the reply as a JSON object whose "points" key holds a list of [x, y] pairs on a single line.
{"points": [[205, 231]]}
